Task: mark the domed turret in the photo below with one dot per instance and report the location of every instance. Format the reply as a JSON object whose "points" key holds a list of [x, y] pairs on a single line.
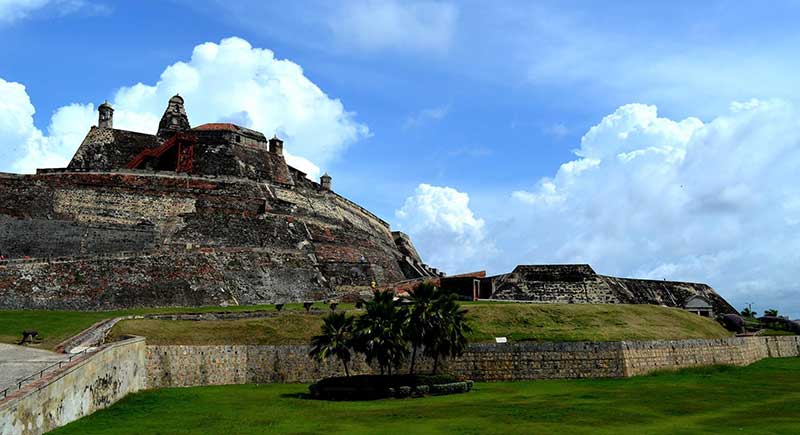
{"points": [[174, 119], [106, 116], [325, 181]]}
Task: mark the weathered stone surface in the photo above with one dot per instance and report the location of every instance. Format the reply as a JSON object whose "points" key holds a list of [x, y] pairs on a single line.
{"points": [[212, 365], [128, 238], [79, 388], [579, 284]]}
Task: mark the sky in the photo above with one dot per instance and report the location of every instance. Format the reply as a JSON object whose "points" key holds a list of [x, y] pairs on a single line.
{"points": [[650, 140]]}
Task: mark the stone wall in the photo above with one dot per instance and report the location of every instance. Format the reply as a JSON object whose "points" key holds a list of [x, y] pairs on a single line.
{"points": [[78, 389], [213, 365], [645, 357], [94, 240], [580, 284]]}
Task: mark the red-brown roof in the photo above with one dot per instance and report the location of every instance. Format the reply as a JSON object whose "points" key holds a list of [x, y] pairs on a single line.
{"points": [[218, 126]]}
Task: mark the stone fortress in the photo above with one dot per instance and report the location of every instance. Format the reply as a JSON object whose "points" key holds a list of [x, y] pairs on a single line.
{"points": [[213, 215]]}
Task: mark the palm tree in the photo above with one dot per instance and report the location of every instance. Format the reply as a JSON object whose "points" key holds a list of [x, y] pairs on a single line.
{"points": [[420, 318], [379, 331], [747, 312], [335, 339], [448, 335], [771, 312]]}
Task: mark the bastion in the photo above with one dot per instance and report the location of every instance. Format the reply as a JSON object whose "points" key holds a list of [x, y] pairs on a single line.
{"points": [[210, 215]]}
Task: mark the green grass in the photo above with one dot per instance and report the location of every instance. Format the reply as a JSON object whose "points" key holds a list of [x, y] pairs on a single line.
{"points": [[518, 322], [56, 326], [758, 399]]}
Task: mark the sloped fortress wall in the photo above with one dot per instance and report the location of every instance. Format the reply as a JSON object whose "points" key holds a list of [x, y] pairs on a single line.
{"points": [[110, 240], [580, 284]]}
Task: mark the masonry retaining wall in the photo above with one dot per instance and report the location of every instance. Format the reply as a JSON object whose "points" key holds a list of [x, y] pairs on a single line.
{"points": [[169, 366], [78, 389]]}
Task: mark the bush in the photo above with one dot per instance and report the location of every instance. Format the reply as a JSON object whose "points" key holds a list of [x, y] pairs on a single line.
{"points": [[370, 387]]}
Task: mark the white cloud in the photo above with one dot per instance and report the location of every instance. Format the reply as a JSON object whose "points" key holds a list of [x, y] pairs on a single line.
{"points": [[394, 24], [425, 116], [447, 233], [714, 202], [227, 81]]}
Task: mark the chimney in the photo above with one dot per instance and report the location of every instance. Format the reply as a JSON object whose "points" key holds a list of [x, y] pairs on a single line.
{"points": [[325, 181], [106, 117], [276, 145]]}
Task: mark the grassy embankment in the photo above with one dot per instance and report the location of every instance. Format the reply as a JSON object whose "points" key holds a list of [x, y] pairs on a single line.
{"points": [[709, 400], [518, 322]]}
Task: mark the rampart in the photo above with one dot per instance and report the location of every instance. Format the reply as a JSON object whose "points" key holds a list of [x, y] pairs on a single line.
{"points": [[104, 240], [77, 389], [176, 365]]}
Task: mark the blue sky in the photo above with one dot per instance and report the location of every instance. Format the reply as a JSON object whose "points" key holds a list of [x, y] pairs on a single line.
{"points": [[650, 140]]}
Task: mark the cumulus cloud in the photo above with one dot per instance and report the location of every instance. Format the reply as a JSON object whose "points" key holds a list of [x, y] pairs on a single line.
{"points": [[393, 24], [229, 81], [445, 229], [652, 197]]}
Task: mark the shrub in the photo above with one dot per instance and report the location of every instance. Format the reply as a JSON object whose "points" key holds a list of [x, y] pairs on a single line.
{"points": [[370, 387]]}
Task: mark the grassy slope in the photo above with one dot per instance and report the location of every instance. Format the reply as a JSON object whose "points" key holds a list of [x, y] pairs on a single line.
{"points": [[711, 400], [56, 326], [518, 322]]}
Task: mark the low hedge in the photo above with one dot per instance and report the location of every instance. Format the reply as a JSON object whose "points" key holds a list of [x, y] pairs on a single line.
{"points": [[371, 387]]}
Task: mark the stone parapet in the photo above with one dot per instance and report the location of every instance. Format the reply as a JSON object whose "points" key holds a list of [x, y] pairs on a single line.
{"points": [[180, 365]]}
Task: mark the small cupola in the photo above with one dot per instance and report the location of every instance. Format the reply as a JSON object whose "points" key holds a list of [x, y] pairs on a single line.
{"points": [[276, 145], [325, 181], [105, 117]]}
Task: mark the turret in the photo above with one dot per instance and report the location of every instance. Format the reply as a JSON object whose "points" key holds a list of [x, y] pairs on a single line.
{"points": [[174, 119], [106, 116], [325, 181], [276, 145]]}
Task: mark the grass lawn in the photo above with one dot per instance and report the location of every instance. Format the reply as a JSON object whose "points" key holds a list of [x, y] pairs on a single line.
{"points": [[760, 399], [56, 326], [518, 322]]}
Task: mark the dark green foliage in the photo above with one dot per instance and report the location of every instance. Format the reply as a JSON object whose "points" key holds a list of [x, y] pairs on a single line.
{"points": [[380, 332], [747, 312], [447, 336], [335, 340], [772, 312], [371, 387]]}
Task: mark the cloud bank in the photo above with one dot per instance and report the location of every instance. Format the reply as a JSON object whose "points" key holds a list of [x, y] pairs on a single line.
{"points": [[230, 81], [445, 228], [651, 197]]}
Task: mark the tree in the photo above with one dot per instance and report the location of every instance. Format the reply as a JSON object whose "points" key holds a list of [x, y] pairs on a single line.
{"points": [[421, 317], [379, 331], [448, 335], [335, 340], [747, 312], [771, 312]]}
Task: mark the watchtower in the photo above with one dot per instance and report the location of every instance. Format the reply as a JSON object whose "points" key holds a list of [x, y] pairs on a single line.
{"points": [[106, 116]]}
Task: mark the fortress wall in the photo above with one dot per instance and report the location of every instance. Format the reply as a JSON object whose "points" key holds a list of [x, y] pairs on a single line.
{"points": [[212, 365], [80, 388], [190, 278], [292, 244]]}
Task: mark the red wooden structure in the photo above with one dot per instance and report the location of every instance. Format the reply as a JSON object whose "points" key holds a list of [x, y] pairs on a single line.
{"points": [[175, 154]]}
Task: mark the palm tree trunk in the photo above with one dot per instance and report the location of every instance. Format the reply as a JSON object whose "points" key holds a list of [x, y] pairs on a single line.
{"points": [[413, 359], [435, 364], [346, 372]]}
